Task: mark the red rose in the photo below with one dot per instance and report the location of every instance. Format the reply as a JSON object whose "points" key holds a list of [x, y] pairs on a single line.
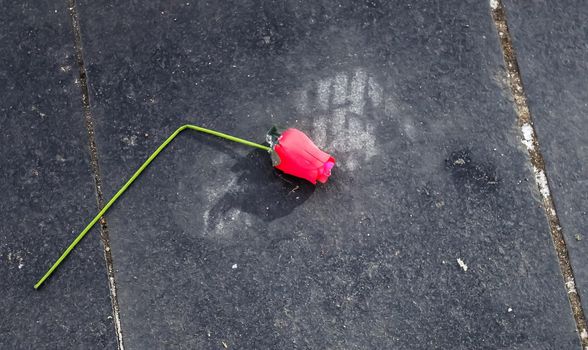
{"points": [[292, 152], [295, 154]]}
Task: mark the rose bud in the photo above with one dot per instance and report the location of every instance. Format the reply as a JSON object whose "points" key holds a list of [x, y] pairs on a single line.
{"points": [[295, 154]]}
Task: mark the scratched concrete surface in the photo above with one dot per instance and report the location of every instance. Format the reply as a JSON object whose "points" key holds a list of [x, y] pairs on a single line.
{"points": [[429, 234]]}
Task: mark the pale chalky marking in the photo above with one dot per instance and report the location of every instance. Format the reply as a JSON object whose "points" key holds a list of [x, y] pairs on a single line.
{"points": [[324, 93], [357, 92]]}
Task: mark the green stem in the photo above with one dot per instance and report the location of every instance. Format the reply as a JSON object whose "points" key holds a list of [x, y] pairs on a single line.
{"points": [[133, 178]]}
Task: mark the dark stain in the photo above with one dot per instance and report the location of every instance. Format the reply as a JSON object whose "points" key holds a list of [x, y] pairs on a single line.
{"points": [[261, 190], [470, 174]]}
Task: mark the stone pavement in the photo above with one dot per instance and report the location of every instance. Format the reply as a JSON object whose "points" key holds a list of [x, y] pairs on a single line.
{"points": [[47, 188], [554, 67], [435, 230]]}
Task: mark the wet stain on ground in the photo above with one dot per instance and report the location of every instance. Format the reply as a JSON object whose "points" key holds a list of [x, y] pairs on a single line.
{"points": [[470, 174]]}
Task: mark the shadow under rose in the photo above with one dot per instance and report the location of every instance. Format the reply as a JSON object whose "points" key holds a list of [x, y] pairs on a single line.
{"points": [[261, 191]]}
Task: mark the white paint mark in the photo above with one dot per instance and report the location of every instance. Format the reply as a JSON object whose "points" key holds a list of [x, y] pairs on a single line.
{"points": [[528, 136], [528, 140], [462, 265], [341, 126], [323, 95], [542, 182], [356, 141], [234, 266], [340, 89], [356, 92], [338, 120], [355, 124], [320, 131]]}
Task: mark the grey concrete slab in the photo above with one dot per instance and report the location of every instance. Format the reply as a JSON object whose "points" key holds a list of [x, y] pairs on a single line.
{"points": [[551, 41], [47, 189], [213, 249]]}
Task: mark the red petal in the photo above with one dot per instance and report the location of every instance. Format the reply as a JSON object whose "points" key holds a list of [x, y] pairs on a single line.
{"points": [[300, 157]]}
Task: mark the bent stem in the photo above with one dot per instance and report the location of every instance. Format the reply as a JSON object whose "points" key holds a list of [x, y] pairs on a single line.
{"points": [[133, 178]]}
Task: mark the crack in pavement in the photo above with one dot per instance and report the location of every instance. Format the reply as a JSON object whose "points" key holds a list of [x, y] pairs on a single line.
{"points": [[531, 142], [89, 124]]}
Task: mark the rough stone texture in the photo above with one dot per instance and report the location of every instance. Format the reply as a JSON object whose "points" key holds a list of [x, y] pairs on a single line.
{"points": [[47, 189], [551, 43], [213, 249]]}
